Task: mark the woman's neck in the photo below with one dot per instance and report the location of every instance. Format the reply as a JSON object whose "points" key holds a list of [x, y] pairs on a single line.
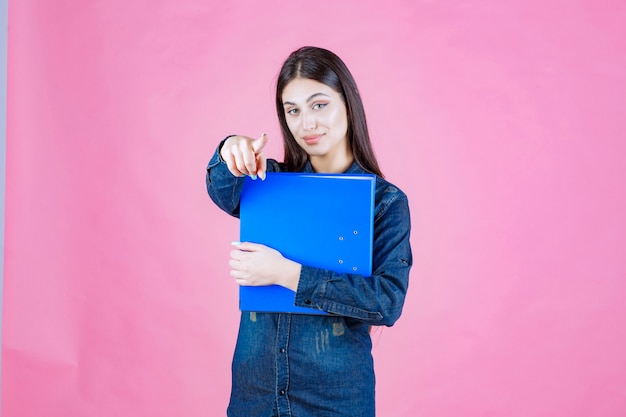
{"points": [[335, 164]]}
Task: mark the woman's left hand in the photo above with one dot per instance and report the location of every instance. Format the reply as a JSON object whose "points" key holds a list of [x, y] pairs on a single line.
{"points": [[254, 264]]}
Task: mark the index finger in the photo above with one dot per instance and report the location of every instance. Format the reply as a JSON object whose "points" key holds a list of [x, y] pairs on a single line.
{"points": [[247, 246], [259, 144]]}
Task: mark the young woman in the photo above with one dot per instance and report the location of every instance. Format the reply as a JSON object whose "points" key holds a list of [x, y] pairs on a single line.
{"points": [[313, 365]]}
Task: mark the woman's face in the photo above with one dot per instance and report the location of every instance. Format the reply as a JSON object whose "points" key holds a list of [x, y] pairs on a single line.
{"points": [[317, 118]]}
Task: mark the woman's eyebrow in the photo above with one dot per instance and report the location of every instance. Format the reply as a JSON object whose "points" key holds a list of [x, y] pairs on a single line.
{"points": [[312, 97]]}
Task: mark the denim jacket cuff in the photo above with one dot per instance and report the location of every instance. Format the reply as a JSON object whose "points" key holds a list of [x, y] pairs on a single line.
{"points": [[216, 159], [312, 293], [310, 287]]}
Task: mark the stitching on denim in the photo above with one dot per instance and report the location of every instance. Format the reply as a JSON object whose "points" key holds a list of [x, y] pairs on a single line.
{"points": [[345, 310], [384, 205], [287, 359], [276, 364]]}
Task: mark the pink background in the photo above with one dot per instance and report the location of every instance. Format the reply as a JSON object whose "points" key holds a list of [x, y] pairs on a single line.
{"points": [[502, 120]]}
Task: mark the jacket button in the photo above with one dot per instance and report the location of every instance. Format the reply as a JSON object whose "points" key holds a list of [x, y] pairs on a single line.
{"points": [[282, 350], [282, 392]]}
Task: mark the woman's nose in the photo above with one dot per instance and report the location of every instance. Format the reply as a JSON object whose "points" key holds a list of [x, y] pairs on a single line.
{"points": [[308, 121]]}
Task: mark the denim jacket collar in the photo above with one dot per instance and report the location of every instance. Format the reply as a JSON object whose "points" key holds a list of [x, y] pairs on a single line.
{"points": [[355, 168]]}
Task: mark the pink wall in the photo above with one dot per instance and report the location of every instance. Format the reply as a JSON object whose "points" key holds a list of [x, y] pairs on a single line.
{"points": [[501, 120]]}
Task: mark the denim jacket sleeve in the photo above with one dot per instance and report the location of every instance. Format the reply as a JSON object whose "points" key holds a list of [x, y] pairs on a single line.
{"points": [[378, 299]]}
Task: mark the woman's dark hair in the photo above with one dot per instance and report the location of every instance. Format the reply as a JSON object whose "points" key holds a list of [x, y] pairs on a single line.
{"points": [[325, 67]]}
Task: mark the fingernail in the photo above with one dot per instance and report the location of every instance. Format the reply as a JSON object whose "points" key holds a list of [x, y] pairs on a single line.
{"points": [[235, 243], [262, 176], [253, 177]]}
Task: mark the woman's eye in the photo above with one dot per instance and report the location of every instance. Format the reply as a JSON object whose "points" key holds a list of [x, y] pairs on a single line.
{"points": [[318, 106], [292, 111]]}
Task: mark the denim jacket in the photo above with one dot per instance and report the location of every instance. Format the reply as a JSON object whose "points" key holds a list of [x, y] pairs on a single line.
{"points": [[310, 365]]}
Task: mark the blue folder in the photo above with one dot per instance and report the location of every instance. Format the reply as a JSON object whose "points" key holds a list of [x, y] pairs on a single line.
{"points": [[319, 220]]}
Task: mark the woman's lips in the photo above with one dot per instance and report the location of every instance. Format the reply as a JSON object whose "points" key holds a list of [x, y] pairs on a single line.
{"points": [[312, 140]]}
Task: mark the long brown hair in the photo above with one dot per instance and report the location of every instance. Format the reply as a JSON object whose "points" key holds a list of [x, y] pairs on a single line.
{"points": [[325, 67]]}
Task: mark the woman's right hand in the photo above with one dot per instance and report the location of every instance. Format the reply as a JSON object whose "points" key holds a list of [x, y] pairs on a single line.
{"points": [[244, 156]]}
